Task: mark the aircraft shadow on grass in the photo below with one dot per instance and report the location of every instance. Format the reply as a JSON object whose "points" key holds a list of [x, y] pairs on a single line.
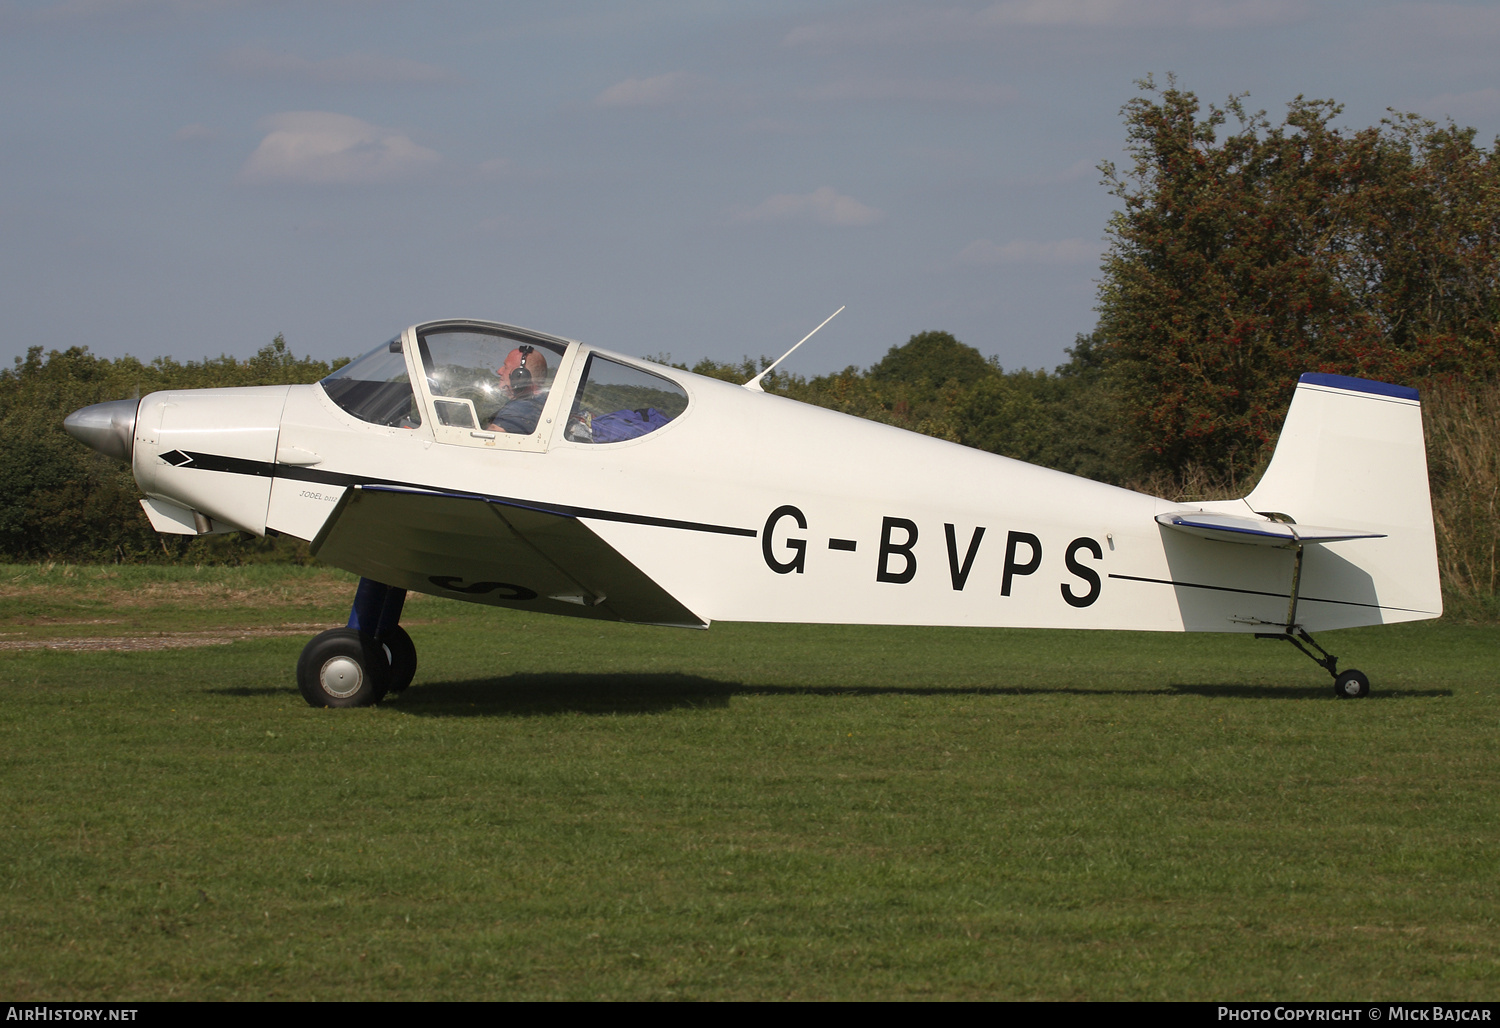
{"points": [[246, 691], [647, 693], [520, 695], [1291, 692], [544, 694]]}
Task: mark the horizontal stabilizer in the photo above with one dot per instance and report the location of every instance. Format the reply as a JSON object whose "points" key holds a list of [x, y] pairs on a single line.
{"points": [[1233, 528]]}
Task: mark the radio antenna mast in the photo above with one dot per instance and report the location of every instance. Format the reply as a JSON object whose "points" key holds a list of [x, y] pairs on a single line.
{"points": [[754, 383]]}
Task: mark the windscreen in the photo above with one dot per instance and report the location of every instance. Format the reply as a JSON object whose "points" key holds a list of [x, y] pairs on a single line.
{"points": [[376, 388]]}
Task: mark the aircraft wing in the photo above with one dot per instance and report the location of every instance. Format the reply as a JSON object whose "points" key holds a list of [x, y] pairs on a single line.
{"points": [[1234, 528], [482, 550]]}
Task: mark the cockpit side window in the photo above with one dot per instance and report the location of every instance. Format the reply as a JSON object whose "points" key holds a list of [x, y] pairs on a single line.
{"points": [[376, 388], [616, 402], [487, 380]]}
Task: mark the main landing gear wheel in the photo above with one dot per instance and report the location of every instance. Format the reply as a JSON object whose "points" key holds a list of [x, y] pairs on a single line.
{"points": [[401, 652], [343, 668], [1351, 685]]}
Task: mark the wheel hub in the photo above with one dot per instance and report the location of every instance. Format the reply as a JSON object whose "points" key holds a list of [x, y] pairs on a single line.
{"points": [[341, 677]]}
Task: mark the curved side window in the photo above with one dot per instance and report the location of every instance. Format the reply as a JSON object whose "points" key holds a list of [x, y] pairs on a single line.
{"points": [[617, 402], [376, 388]]}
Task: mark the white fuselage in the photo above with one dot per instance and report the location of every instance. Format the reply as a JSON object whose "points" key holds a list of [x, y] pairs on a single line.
{"points": [[753, 507]]}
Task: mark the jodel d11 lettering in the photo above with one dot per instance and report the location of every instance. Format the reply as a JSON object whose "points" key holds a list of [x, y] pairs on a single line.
{"points": [[498, 465]]}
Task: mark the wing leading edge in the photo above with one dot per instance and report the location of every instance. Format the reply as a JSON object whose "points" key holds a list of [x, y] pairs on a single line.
{"points": [[475, 549], [1233, 528]]}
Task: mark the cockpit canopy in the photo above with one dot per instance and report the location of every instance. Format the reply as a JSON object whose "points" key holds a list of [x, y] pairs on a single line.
{"points": [[484, 378]]}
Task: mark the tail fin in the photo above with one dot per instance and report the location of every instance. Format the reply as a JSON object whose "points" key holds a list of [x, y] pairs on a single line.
{"points": [[1351, 454]]}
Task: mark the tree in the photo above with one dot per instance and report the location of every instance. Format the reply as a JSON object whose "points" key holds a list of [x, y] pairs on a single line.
{"points": [[917, 385], [60, 500], [930, 360], [1067, 420], [1237, 263]]}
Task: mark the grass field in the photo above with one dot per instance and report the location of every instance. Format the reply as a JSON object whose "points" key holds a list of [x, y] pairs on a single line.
{"points": [[565, 809]]}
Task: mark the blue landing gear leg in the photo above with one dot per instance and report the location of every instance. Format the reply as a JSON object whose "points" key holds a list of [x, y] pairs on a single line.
{"points": [[377, 613], [356, 666]]}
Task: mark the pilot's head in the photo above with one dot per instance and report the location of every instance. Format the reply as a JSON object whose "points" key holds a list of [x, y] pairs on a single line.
{"points": [[523, 373]]}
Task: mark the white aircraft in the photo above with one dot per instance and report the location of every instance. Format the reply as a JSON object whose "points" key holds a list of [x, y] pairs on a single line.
{"points": [[494, 464]]}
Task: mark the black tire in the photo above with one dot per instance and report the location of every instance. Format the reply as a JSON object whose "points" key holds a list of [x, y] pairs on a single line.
{"points": [[401, 652], [342, 668], [1351, 685]]}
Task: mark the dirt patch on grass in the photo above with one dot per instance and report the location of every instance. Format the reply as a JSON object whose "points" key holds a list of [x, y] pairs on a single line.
{"points": [[158, 640], [170, 640], [213, 594]]}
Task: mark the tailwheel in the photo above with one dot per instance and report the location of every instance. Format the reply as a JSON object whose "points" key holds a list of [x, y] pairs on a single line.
{"points": [[344, 668], [401, 653], [1347, 685], [1351, 685]]}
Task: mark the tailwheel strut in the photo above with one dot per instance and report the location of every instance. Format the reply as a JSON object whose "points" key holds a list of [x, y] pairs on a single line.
{"points": [[1349, 684]]}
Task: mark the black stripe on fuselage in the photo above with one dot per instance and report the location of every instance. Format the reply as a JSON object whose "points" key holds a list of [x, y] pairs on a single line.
{"points": [[1257, 592], [267, 469]]}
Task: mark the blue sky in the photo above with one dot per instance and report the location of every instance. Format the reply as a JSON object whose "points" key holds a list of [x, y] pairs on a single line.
{"points": [[705, 179]]}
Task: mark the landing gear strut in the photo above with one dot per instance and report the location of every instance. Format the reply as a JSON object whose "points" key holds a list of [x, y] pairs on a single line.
{"points": [[1350, 684], [358, 665]]}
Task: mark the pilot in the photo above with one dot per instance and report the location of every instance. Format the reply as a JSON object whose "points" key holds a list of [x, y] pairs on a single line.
{"points": [[523, 378]]}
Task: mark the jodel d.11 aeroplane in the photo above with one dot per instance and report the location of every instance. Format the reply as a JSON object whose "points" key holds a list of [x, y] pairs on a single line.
{"points": [[498, 465]]}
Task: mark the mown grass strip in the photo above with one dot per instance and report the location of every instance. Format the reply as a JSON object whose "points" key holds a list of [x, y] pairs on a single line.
{"points": [[562, 809]]}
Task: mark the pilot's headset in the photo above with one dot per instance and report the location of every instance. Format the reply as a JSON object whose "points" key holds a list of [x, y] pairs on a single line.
{"points": [[522, 365]]}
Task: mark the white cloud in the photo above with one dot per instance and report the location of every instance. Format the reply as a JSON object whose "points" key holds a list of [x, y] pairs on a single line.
{"points": [[327, 149], [1459, 38], [1085, 168], [778, 127], [823, 206], [1453, 23], [496, 167], [346, 69], [656, 91], [957, 24], [926, 90], [195, 133], [65, 10], [894, 27], [1481, 103], [1205, 14], [1025, 251]]}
